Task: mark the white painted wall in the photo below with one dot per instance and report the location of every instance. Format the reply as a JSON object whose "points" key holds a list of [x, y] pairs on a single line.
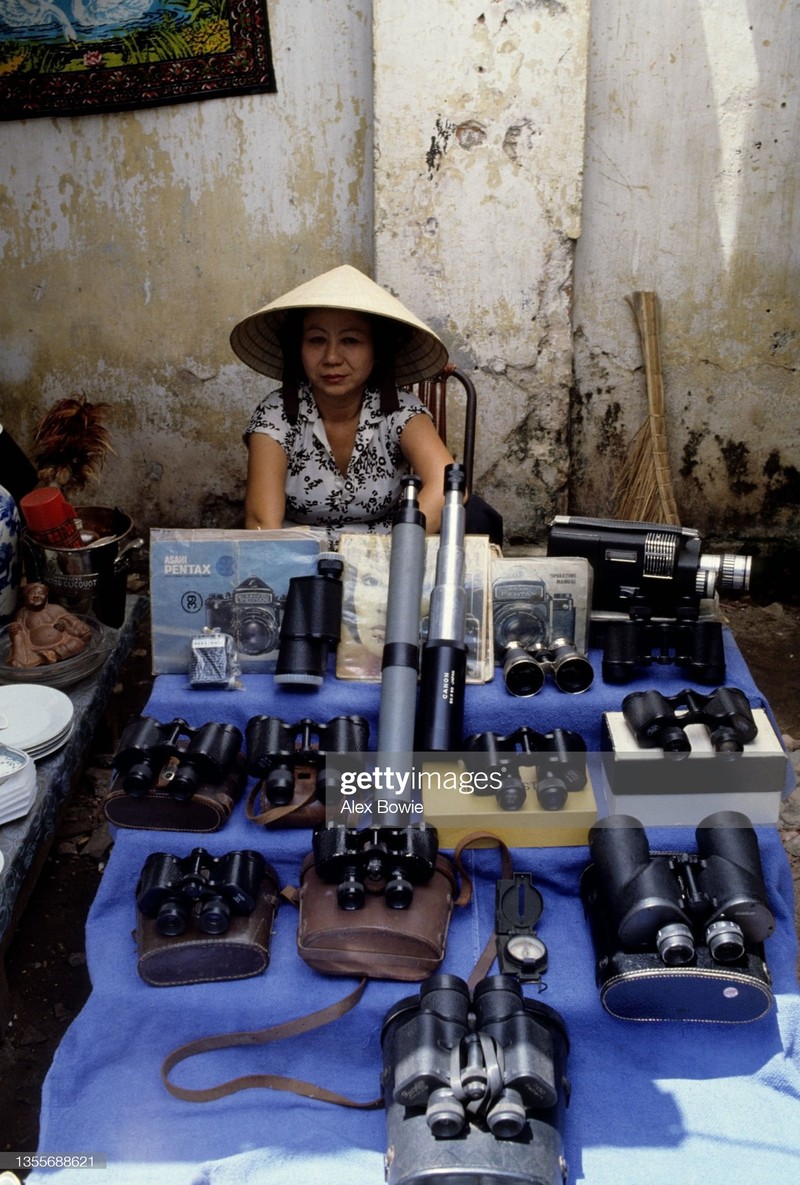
{"points": [[691, 190]]}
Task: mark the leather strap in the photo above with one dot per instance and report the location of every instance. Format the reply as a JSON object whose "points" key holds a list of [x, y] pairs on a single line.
{"points": [[489, 952], [271, 816], [289, 1028]]}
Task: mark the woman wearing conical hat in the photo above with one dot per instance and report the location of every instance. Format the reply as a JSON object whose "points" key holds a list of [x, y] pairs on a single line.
{"points": [[331, 446]]}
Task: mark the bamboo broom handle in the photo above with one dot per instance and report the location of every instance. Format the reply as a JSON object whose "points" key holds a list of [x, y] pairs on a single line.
{"points": [[645, 310]]}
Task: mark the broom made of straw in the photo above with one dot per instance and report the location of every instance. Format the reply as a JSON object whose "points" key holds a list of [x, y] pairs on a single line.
{"points": [[643, 491]]}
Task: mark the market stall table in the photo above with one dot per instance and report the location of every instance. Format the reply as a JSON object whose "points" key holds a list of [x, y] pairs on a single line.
{"points": [[664, 1103]]}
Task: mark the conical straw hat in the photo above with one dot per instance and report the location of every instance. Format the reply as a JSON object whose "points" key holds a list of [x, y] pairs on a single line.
{"points": [[255, 340]]}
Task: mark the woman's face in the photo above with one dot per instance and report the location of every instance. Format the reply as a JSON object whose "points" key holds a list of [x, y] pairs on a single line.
{"points": [[337, 352]]}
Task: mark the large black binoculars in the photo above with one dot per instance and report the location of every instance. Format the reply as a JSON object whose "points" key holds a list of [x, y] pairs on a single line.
{"points": [[726, 713], [474, 1085], [559, 758], [696, 647], [671, 903], [525, 668], [207, 888], [312, 622], [198, 755], [275, 749], [375, 859]]}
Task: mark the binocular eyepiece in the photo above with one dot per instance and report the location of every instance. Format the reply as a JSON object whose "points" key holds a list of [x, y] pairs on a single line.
{"points": [[376, 859], [670, 903], [559, 758], [312, 621], [525, 668], [275, 749], [207, 755], [726, 713], [209, 888], [462, 1072]]}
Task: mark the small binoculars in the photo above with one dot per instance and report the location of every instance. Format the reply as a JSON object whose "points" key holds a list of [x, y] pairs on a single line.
{"points": [[474, 1084], [207, 755], [559, 758], [376, 859], [726, 713], [525, 668], [207, 888], [673, 903], [275, 749], [695, 646]]}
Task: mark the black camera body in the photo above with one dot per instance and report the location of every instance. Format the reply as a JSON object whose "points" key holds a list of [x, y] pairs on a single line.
{"points": [[657, 564], [679, 935], [523, 611], [474, 1086], [387, 860], [251, 614], [198, 887]]}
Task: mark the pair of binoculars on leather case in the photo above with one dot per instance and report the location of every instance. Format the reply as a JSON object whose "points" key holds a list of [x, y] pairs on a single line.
{"points": [[673, 904], [197, 756], [525, 668], [726, 713], [474, 1085], [558, 757], [276, 749], [384, 860], [696, 647], [199, 887]]}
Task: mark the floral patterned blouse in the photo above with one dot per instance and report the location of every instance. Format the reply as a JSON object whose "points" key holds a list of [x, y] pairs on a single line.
{"points": [[317, 492]]}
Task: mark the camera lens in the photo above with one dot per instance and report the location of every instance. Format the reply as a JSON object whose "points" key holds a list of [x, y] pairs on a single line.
{"points": [[725, 941], [172, 918], [675, 944]]}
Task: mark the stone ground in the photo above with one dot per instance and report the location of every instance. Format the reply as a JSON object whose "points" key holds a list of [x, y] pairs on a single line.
{"points": [[46, 964]]}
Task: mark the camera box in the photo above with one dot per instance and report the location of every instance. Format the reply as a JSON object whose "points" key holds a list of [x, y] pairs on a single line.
{"points": [[537, 599], [366, 590], [664, 791], [234, 581], [456, 814]]}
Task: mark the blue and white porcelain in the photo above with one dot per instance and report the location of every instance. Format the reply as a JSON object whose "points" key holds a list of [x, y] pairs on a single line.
{"points": [[9, 556]]}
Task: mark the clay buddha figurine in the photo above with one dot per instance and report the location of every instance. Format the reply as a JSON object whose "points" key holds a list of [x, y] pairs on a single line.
{"points": [[42, 633]]}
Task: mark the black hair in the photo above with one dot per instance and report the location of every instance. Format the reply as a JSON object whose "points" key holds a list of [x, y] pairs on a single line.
{"points": [[387, 338]]}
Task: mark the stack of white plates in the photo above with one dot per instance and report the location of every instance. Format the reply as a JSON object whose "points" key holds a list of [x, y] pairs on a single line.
{"points": [[17, 784], [36, 719]]}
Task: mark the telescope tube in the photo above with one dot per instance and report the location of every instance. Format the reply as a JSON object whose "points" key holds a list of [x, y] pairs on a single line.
{"points": [[400, 666], [444, 657]]}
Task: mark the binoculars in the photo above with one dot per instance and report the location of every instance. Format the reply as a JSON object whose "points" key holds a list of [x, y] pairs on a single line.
{"points": [[474, 1085], [524, 669], [207, 888], [672, 904], [208, 755], [376, 859], [559, 758], [694, 646], [275, 749], [726, 713], [311, 624]]}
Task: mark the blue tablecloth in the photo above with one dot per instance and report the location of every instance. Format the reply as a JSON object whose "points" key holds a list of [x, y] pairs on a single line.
{"points": [[664, 1103]]}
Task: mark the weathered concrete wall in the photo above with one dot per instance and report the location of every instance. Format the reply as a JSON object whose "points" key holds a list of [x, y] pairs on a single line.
{"points": [[479, 119], [132, 242], [691, 191]]}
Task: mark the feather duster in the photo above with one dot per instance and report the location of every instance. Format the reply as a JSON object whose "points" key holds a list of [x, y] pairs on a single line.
{"points": [[72, 443]]}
